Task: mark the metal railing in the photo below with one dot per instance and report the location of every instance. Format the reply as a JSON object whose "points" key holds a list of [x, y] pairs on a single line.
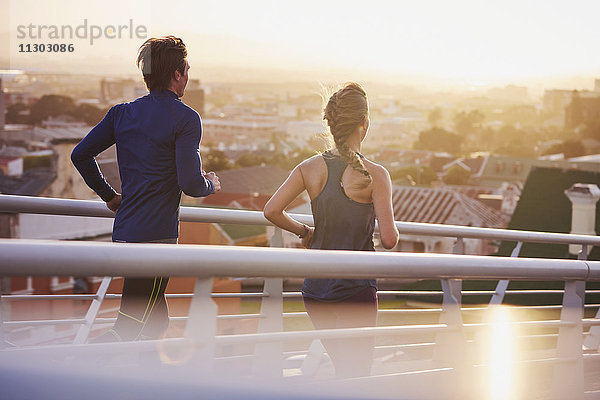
{"points": [[44, 258]]}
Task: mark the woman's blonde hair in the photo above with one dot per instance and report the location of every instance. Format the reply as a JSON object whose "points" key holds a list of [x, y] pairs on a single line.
{"points": [[344, 112]]}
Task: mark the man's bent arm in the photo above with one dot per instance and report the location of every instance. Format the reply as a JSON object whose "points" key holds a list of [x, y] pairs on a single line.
{"points": [[100, 138], [190, 178]]}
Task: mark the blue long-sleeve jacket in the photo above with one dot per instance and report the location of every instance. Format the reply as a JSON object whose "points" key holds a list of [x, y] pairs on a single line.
{"points": [[157, 138]]}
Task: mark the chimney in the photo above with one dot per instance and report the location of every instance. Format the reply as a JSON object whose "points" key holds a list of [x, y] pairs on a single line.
{"points": [[2, 107], [583, 197]]}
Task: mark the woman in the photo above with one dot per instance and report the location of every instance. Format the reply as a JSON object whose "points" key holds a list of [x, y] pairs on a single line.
{"points": [[347, 193]]}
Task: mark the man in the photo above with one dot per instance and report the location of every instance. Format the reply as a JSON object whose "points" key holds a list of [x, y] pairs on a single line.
{"points": [[157, 138]]}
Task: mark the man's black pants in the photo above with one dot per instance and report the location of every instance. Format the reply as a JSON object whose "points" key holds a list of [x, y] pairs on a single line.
{"points": [[143, 313]]}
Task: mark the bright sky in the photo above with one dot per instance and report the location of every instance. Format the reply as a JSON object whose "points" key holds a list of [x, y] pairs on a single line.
{"points": [[475, 40], [465, 39]]}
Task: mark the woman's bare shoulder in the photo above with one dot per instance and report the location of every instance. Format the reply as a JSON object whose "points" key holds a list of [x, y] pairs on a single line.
{"points": [[377, 171], [312, 163]]}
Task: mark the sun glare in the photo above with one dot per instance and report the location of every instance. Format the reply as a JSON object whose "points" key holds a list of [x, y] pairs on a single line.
{"points": [[501, 354]]}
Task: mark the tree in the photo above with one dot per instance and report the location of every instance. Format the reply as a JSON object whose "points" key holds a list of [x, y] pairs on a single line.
{"points": [[17, 114], [215, 160], [289, 161], [465, 122], [457, 175], [591, 129], [569, 148], [88, 113], [438, 139], [249, 160], [435, 116], [51, 106], [420, 175]]}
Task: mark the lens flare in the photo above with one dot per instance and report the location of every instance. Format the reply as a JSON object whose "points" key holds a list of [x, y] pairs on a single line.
{"points": [[501, 354]]}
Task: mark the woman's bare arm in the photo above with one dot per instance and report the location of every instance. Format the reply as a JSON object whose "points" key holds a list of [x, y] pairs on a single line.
{"points": [[275, 208], [382, 202]]}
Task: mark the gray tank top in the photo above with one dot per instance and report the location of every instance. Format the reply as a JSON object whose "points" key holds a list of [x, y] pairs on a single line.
{"points": [[340, 224]]}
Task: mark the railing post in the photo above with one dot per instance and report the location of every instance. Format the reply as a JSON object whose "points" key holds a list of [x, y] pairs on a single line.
{"points": [[277, 238], [568, 373], [3, 343], [459, 246], [592, 341], [500, 292], [269, 356], [92, 313], [450, 345], [201, 327]]}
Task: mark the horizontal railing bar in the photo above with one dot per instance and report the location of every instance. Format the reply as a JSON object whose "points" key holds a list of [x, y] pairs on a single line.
{"points": [[475, 292], [116, 296], [405, 373], [251, 338], [28, 297], [43, 322], [330, 333], [407, 345], [545, 323], [550, 360], [90, 208], [590, 321], [50, 322], [69, 258], [10, 324]]}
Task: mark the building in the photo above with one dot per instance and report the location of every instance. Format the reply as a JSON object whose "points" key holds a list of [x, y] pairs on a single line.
{"points": [[427, 205], [2, 107], [231, 131], [11, 166], [443, 206], [247, 188], [304, 131], [114, 91], [581, 110], [512, 93], [493, 171], [544, 207], [194, 96], [556, 100], [12, 98]]}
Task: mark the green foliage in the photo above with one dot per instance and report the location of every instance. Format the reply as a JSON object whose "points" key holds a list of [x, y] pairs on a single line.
{"points": [[508, 141], [435, 116], [420, 175], [250, 160], [51, 106], [591, 129], [288, 162], [523, 115], [466, 122], [88, 113], [457, 175], [17, 114], [438, 139], [215, 160], [515, 149]]}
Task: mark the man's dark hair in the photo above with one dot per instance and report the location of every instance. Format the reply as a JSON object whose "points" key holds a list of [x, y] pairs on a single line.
{"points": [[159, 58]]}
